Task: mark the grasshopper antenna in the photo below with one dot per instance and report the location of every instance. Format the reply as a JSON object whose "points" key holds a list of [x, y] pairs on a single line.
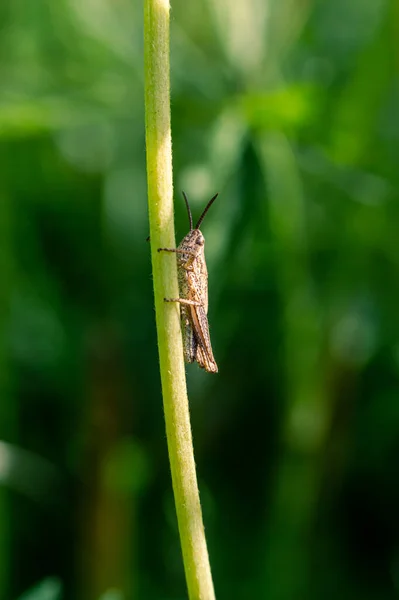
{"points": [[207, 207], [190, 216]]}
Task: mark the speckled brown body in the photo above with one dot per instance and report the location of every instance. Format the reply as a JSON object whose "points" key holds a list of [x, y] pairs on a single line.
{"points": [[193, 285], [193, 300]]}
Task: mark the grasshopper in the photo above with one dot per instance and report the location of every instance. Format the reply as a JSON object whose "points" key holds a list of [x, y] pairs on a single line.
{"points": [[193, 291]]}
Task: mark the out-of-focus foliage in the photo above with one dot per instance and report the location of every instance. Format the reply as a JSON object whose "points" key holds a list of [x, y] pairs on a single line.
{"points": [[290, 110]]}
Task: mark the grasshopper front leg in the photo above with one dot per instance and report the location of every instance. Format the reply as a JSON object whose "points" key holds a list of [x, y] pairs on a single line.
{"points": [[183, 301], [168, 250]]}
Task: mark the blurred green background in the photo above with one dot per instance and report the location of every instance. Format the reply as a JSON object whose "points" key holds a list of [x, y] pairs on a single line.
{"points": [[289, 109]]}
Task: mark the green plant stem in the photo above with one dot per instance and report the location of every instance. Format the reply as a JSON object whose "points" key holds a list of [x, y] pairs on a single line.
{"points": [[160, 199]]}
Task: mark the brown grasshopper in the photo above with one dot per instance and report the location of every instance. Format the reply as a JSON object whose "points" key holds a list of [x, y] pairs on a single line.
{"points": [[193, 291]]}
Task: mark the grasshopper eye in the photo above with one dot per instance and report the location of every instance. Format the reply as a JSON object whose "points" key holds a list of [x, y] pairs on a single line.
{"points": [[200, 241]]}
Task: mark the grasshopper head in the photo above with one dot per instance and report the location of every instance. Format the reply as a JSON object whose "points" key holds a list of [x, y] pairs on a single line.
{"points": [[197, 238], [194, 239], [193, 242]]}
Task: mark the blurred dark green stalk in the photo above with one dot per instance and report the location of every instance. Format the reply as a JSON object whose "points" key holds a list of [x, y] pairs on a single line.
{"points": [[160, 201], [7, 421], [307, 415]]}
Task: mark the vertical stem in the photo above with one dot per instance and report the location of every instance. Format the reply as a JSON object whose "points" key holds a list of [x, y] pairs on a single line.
{"points": [[160, 199]]}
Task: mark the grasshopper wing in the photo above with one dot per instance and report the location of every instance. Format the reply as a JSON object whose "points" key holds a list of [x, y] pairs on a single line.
{"points": [[204, 354]]}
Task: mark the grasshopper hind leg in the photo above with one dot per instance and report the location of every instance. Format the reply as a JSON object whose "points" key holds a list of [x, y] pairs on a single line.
{"points": [[189, 341]]}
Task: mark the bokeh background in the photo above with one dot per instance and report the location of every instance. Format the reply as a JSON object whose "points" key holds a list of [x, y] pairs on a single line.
{"points": [[288, 108]]}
